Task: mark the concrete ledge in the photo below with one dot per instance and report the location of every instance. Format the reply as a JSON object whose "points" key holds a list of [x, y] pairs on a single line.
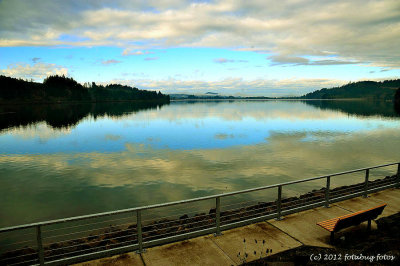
{"points": [[197, 251], [243, 240]]}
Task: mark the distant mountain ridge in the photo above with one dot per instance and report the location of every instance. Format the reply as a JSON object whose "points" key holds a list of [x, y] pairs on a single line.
{"points": [[373, 90]]}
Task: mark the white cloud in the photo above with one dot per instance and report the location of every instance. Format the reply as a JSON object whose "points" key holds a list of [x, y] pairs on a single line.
{"points": [[225, 60], [234, 86], [133, 51], [110, 62], [35, 71], [297, 60], [360, 31], [129, 51], [150, 58], [282, 59]]}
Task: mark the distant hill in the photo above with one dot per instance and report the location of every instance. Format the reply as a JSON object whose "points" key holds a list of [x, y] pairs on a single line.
{"points": [[63, 89], [373, 90]]}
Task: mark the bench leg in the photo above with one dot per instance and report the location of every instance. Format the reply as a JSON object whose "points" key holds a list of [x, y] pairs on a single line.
{"points": [[332, 237], [369, 225]]}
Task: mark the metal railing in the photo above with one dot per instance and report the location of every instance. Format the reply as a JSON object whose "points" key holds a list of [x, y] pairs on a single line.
{"points": [[100, 236]]}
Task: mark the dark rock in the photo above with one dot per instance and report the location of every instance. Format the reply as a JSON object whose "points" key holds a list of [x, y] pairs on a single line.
{"points": [[183, 217]]}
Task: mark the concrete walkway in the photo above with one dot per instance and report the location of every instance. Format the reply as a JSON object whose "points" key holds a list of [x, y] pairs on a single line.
{"points": [[291, 232]]}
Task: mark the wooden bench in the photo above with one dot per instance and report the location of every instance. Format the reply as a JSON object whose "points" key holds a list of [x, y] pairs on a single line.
{"points": [[338, 223]]}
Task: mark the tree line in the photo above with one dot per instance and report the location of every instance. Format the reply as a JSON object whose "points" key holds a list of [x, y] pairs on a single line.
{"points": [[373, 90], [60, 88]]}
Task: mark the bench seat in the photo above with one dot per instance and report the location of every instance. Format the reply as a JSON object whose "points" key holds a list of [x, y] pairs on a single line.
{"points": [[329, 224], [355, 218]]}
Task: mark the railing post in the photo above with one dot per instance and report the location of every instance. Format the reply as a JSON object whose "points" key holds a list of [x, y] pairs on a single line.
{"points": [[327, 190], [398, 175], [139, 231], [218, 215], [39, 244], [279, 204], [366, 184]]}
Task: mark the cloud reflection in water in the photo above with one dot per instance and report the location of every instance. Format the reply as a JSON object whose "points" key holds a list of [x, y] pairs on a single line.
{"points": [[182, 151]]}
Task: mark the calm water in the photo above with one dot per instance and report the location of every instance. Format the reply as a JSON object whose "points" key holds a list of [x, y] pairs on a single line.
{"points": [[66, 160]]}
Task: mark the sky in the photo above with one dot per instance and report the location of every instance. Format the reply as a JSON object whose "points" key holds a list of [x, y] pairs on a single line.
{"points": [[231, 47]]}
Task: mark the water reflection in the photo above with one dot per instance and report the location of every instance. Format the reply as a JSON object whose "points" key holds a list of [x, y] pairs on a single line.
{"points": [[201, 125], [359, 108], [124, 158], [66, 115]]}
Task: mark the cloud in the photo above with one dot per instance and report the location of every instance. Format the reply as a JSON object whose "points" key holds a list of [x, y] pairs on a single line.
{"points": [[286, 29], [282, 60], [150, 58], [129, 51], [297, 60], [110, 62], [224, 60], [332, 62], [35, 71]]}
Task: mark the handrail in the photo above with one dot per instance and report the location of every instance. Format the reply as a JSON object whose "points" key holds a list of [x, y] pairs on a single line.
{"points": [[82, 217]]}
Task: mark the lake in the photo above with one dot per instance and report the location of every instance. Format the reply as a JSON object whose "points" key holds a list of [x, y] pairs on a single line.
{"points": [[65, 160]]}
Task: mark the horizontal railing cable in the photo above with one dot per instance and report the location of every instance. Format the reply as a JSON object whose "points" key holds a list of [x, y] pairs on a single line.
{"points": [[89, 243], [19, 256], [23, 262], [82, 225], [80, 232]]}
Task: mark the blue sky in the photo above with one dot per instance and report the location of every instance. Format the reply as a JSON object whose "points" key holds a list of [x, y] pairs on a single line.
{"points": [[229, 47]]}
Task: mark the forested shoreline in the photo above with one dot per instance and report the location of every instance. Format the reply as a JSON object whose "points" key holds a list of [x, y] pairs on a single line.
{"points": [[372, 90], [63, 89]]}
